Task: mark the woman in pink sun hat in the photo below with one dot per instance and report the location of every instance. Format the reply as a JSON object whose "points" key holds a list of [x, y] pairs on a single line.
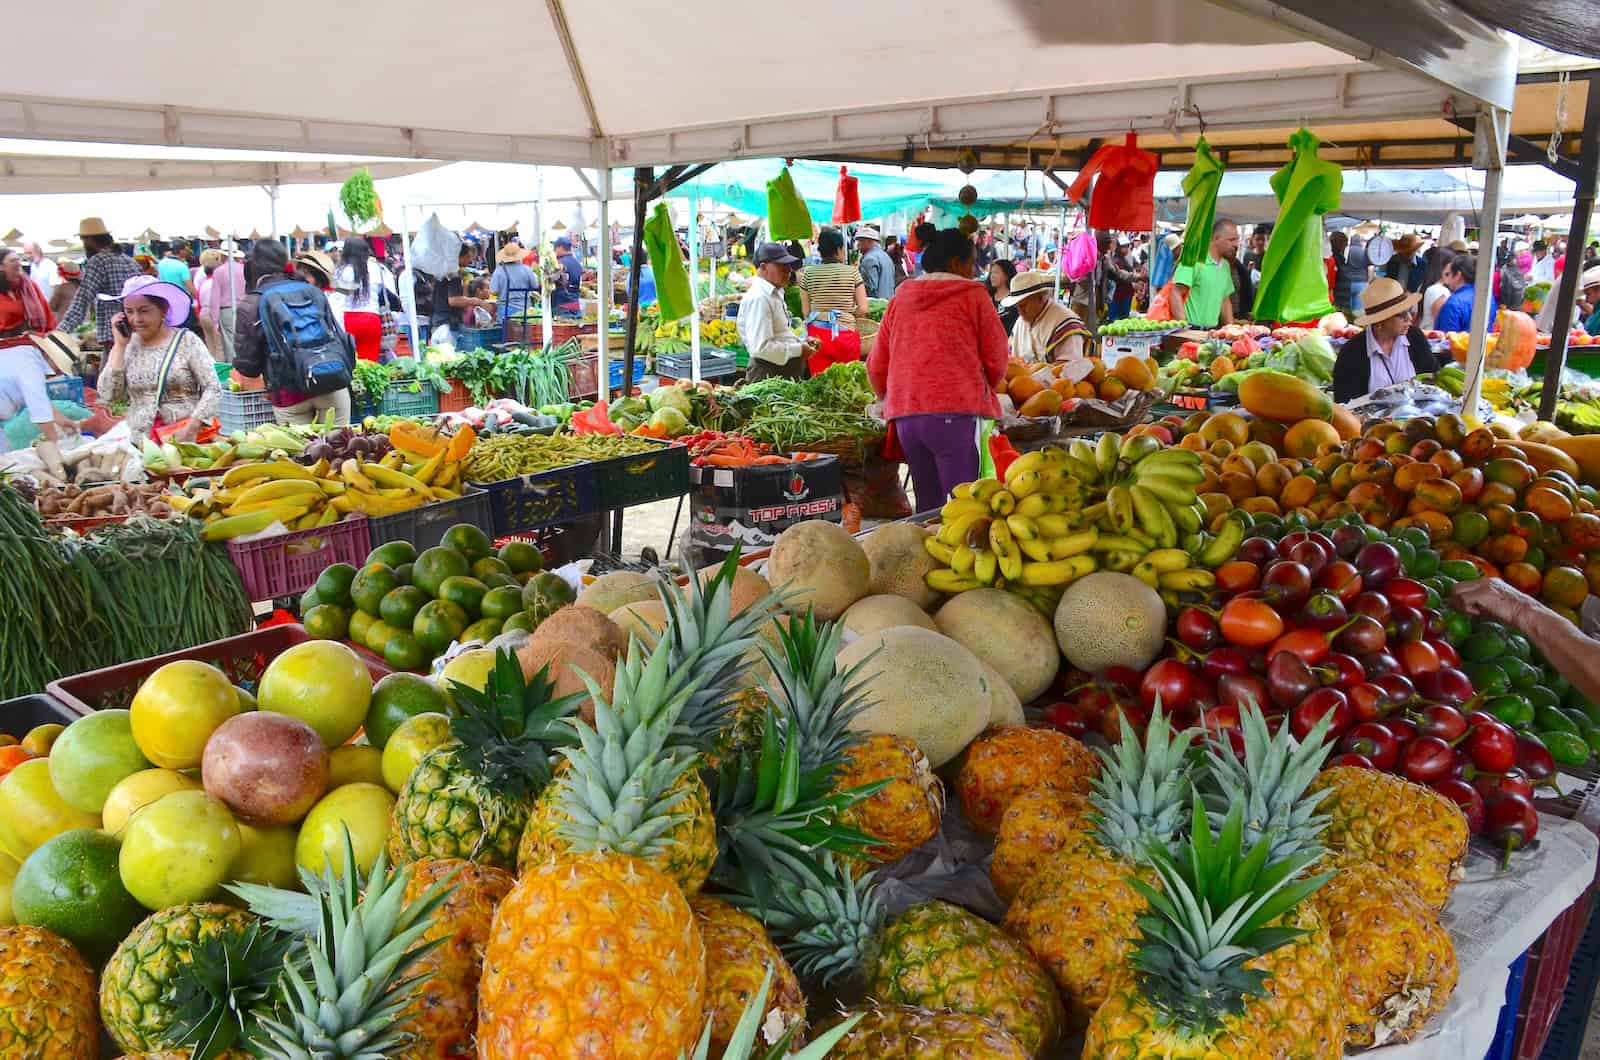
{"points": [[162, 369]]}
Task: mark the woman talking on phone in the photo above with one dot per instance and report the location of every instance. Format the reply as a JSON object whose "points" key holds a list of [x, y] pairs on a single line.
{"points": [[162, 369]]}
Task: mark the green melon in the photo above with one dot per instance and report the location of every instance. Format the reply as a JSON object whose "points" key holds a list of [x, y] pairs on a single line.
{"points": [[1108, 619]]}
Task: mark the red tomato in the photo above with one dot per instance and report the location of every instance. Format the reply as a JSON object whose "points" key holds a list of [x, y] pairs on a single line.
{"points": [[1250, 623]]}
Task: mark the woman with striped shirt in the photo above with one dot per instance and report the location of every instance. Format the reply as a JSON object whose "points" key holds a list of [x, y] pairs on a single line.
{"points": [[832, 295]]}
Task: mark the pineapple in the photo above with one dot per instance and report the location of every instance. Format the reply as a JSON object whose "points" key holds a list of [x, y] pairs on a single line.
{"points": [[1076, 913], [443, 1014], [903, 814], [1397, 960], [740, 959], [186, 1054], [934, 956], [900, 1032], [1227, 946], [1271, 782], [46, 997], [1415, 835], [741, 1042], [1037, 824], [1003, 763], [471, 798], [138, 988]]}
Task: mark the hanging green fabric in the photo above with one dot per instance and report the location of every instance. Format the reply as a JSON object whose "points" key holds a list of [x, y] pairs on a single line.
{"points": [[787, 216], [666, 261], [1200, 186], [1294, 281]]}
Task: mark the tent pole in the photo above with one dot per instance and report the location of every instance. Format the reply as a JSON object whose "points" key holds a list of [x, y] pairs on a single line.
{"points": [[603, 309], [643, 178], [1483, 285], [1582, 211], [694, 278], [1061, 257], [410, 302]]}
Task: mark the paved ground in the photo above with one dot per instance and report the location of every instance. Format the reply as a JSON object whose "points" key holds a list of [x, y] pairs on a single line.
{"points": [[1591, 1036]]}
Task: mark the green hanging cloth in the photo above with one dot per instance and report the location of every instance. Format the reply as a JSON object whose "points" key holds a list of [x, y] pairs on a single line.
{"points": [[666, 261], [1200, 186], [787, 216], [1294, 281]]}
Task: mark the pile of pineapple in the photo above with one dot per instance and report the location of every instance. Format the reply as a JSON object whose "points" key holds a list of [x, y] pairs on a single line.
{"points": [[652, 869]]}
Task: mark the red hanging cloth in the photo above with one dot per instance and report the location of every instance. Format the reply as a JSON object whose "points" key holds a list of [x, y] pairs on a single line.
{"points": [[847, 199], [1125, 194]]}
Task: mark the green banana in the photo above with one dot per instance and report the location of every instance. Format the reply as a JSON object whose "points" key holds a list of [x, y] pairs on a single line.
{"points": [[1119, 505], [1169, 489], [1153, 516], [1105, 453], [1222, 547]]}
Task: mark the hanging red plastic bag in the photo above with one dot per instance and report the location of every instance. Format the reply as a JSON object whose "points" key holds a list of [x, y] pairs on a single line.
{"points": [[596, 419], [1124, 194], [1079, 258], [847, 199]]}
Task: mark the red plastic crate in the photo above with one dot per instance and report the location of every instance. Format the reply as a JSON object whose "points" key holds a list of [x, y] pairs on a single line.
{"points": [[288, 564], [242, 658], [1545, 981], [458, 400]]}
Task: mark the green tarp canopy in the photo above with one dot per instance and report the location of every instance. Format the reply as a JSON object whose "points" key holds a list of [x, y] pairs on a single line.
{"points": [[742, 186]]}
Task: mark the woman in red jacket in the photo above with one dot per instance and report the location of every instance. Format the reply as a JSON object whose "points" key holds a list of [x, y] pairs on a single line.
{"points": [[939, 355]]}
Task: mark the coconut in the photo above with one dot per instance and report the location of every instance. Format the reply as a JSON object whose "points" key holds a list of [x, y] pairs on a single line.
{"points": [[565, 660], [582, 626]]}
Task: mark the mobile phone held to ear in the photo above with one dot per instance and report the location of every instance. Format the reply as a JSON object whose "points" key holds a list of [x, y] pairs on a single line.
{"points": [[123, 329]]}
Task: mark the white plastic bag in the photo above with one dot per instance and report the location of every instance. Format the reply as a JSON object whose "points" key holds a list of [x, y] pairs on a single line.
{"points": [[436, 250]]}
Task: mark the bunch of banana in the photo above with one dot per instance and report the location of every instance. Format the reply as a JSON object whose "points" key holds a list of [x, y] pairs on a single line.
{"points": [[249, 498]]}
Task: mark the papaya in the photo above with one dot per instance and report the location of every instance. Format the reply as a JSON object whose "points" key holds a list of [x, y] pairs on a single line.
{"points": [[1222, 366], [1584, 449], [1024, 387], [1135, 373], [1046, 402], [1307, 438], [1347, 423], [1548, 457], [1064, 387], [1285, 398]]}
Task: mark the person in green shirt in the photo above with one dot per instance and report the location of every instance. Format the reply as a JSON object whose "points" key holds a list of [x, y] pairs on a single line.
{"points": [[1201, 294]]}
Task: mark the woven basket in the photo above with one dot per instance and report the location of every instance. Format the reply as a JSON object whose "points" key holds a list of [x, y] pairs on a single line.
{"points": [[851, 451], [1026, 429]]}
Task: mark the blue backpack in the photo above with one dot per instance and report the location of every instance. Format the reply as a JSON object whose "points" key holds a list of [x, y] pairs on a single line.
{"points": [[306, 348]]}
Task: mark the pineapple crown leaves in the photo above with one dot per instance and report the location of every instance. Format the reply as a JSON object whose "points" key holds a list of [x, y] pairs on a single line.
{"points": [[234, 974], [1270, 783], [742, 1043], [506, 731], [822, 698], [1143, 788], [350, 1006], [1213, 913], [826, 921], [619, 793], [704, 636], [774, 815]]}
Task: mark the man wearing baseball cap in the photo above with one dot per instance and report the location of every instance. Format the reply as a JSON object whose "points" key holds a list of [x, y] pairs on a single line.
{"points": [[775, 350]]}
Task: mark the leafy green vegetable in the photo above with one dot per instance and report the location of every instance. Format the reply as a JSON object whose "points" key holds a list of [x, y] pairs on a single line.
{"points": [[358, 196]]}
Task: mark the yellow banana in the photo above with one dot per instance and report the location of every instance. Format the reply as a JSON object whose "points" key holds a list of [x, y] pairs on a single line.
{"points": [[985, 566], [318, 470], [1167, 488], [1037, 548], [978, 533], [1147, 573], [307, 521], [1026, 484], [1146, 542], [276, 490], [1105, 452], [443, 494], [1192, 580], [1083, 453], [178, 502], [1057, 572], [1074, 544], [1052, 525], [1025, 463], [384, 475], [392, 459], [963, 560], [1054, 456], [1005, 550], [310, 503], [373, 504], [1022, 528], [1078, 469], [1122, 562], [957, 509], [1003, 502], [330, 487], [949, 581], [938, 550], [1119, 506], [961, 492], [355, 478], [1184, 518], [242, 473], [954, 531], [1135, 447], [1167, 560], [1118, 543], [430, 468], [1178, 463], [1094, 513], [1173, 601], [985, 488], [1033, 506], [329, 516], [251, 522], [1153, 517]]}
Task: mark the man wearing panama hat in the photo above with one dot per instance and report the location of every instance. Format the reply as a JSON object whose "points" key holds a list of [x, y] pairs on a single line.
{"points": [[1045, 329], [104, 273], [1390, 349]]}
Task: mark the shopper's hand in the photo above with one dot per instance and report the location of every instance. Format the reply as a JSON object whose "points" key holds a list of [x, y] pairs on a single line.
{"points": [[812, 345], [1492, 598]]}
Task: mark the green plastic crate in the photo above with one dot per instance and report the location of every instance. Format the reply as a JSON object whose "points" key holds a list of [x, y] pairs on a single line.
{"points": [[1585, 359], [400, 400], [640, 478]]}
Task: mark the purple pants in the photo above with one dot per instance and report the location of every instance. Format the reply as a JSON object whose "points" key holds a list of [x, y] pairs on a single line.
{"points": [[942, 451]]}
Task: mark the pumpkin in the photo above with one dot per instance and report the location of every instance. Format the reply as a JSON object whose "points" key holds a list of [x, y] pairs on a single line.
{"points": [[1519, 337]]}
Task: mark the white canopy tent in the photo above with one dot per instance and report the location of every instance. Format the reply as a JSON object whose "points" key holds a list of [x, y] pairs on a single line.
{"points": [[33, 174]]}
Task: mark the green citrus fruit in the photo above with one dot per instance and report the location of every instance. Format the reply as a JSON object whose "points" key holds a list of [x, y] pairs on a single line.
{"points": [[324, 684], [137, 792], [488, 565], [178, 849], [544, 595], [522, 557], [309, 599], [498, 581], [518, 621], [437, 564], [32, 812], [468, 540], [92, 756], [71, 886], [334, 584], [396, 698], [404, 572], [470, 668], [372, 583], [328, 622], [485, 629], [501, 603], [438, 625], [266, 856], [360, 622], [465, 592], [355, 763], [393, 553], [363, 810], [177, 709], [402, 652], [400, 607], [378, 635]]}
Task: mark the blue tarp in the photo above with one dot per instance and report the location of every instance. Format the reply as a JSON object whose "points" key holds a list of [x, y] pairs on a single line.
{"points": [[742, 186]]}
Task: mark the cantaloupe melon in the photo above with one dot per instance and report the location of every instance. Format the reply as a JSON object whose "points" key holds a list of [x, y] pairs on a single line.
{"points": [[1006, 632], [872, 613], [1005, 709], [824, 567], [582, 626], [610, 591], [923, 686], [1108, 619], [644, 619], [748, 585], [900, 564]]}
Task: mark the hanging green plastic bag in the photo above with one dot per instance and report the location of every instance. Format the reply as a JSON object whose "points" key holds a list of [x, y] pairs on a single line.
{"points": [[1200, 186], [787, 216], [1294, 282], [666, 260]]}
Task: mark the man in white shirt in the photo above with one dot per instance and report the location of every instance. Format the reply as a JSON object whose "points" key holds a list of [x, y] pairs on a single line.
{"points": [[775, 350], [1544, 263], [41, 270]]}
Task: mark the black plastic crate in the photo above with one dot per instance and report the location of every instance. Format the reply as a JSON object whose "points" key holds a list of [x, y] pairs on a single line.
{"points": [[424, 527], [640, 478], [546, 498], [20, 716]]}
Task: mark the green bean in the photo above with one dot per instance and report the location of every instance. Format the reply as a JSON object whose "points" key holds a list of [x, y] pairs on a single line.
{"points": [[495, 457]]}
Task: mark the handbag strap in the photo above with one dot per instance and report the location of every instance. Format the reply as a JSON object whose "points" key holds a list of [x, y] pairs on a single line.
{"points": [[169, 356]]}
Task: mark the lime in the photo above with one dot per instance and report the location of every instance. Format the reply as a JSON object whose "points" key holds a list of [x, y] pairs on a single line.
{"points": [[371, 585], [309, 599], [468, 540], [414, 738], [485, 629], [362, 810], [178, 849], [521, 557], [437, 626], [404, 572], [177, 709], [437, 564], [328, 622], [378, 635], [501, 603], [400, 607], [519, 621], [396, 698], [544, 595], [393, 553], [466, 593], [71, 886], [324, 684], [137, 792], [402, 652], [355, 764], [489, 565], [92, 756], [32, 812], [360, 622], [334, 584]]}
